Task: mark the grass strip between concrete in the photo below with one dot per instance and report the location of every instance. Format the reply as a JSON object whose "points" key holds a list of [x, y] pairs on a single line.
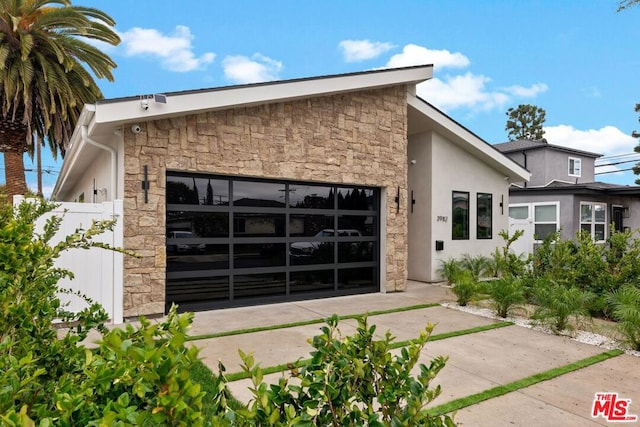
{"points": [[463, 402], [308, 322], [236, 376]]}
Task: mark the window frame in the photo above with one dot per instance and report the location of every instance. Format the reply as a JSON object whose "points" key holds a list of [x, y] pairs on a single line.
{"points": [[578, 161], [533, 217], [490, 227], [466, 226], [593, 221]]}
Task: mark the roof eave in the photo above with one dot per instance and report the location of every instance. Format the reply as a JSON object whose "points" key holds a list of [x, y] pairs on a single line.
{"points": [[193, 102], [474, 144]]}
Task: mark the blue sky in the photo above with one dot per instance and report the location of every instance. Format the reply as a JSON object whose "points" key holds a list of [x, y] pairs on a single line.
{"points": [[578, 60]]}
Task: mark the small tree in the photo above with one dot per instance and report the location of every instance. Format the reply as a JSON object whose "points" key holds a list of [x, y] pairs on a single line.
{"points": [[525, 122]]}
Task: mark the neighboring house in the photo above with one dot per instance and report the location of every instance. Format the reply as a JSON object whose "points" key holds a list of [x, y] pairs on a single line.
{"points": [[256, 171], [562, 195]]}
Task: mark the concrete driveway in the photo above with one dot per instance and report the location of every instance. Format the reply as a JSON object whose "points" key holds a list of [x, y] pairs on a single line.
{"points": [[477, 361]]}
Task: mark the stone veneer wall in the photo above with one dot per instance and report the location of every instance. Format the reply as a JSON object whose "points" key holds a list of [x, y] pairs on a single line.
{"points": [[356, 138]]}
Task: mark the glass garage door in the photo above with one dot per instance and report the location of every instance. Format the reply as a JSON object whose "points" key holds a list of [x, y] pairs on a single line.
{"points": [[233, 241]]}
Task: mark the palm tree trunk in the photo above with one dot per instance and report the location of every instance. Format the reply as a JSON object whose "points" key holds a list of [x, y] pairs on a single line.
{"points": [[14, 174]]}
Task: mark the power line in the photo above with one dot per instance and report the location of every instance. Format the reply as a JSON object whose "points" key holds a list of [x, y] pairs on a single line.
{"points": [[616, 156], [618, 163], [615, 171]]}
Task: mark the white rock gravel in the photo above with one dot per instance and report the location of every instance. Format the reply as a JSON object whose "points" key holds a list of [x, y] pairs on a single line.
{"points": [[578, 335]]}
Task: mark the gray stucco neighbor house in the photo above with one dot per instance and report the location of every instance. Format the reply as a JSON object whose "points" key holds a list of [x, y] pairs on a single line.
{"points": [[562, 194], [287, 190]]}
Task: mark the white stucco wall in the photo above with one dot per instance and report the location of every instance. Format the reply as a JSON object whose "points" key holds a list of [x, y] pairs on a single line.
{"points": [[446, 168], [420, 180]]}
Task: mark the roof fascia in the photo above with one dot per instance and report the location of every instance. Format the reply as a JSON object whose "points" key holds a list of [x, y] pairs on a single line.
{"points": [[553, 147], [470, 141], [181, 103], [74, 148]]}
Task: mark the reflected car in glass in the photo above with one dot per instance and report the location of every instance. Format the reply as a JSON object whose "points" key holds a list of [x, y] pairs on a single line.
{"points": [[185, 247], [305, 249]]}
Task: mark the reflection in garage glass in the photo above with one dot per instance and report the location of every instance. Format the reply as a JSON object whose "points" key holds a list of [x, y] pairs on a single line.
{"points": [[243, 240]]}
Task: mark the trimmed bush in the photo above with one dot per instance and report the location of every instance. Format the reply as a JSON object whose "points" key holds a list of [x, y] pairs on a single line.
{"points": [[350, 381]]}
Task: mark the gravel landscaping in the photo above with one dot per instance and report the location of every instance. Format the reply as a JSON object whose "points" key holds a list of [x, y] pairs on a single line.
{"points": [[582, 336]]}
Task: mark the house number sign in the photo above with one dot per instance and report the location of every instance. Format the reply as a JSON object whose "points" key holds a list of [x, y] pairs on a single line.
{"points": [[441, 218]]}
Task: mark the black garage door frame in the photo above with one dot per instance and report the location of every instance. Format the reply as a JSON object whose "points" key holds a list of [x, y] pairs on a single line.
{"points": [[236, 241]]}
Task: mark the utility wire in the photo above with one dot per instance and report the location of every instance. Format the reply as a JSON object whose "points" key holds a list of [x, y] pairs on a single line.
{"points": [[617, 155], [617, 170], [618, 163]]}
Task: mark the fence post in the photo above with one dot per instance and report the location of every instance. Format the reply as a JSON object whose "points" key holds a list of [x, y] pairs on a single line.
{"points": [[118, 262]]}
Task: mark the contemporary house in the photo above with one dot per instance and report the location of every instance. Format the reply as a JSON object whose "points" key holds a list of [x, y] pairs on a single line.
{"points": [[287, 190], [562, 194]]}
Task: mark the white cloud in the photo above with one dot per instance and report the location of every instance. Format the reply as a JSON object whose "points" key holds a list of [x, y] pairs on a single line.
{"points": [[258, 68], [452, 91], [527, 92], [417, 55], [361, 50], [467, 90], [608, 140], [175, 51]]}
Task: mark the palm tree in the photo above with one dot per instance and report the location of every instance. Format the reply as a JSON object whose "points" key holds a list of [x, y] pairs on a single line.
{"points": [[43, 83]]}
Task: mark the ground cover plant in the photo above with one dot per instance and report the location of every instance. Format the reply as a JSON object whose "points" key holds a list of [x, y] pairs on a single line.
{"points": [[566, 280]]}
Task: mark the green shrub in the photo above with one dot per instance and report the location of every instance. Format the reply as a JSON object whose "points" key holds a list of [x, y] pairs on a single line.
{"points": [[506, 262], [134, 377], [350, 381], [480, 266], [449, 269], [506, 294], [465, 287], [144, 376], [558, 304], [625, 309]]}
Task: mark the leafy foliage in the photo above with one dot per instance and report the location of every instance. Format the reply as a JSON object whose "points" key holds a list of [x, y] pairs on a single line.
{"points": [[507, 263], [449, 269], [558, 304], [625, 309], [352, 381], [624, 4], [134, 377], [466, 287], [144, 376], [506, 294], [479, 265], [525, 122], [45, 46]]}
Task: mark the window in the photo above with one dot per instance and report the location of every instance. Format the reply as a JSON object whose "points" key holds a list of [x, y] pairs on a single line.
{"points": [[575, 166], [545, 219], [460, 223], [484, 216], [593, 219], [519, 212]]}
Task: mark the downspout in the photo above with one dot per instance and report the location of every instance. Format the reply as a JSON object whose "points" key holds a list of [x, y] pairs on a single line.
{"points": [[114, 158], [524, 154]]}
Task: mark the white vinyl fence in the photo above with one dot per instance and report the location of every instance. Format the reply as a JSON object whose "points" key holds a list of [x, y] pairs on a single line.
{"points": [[98, 272]]}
